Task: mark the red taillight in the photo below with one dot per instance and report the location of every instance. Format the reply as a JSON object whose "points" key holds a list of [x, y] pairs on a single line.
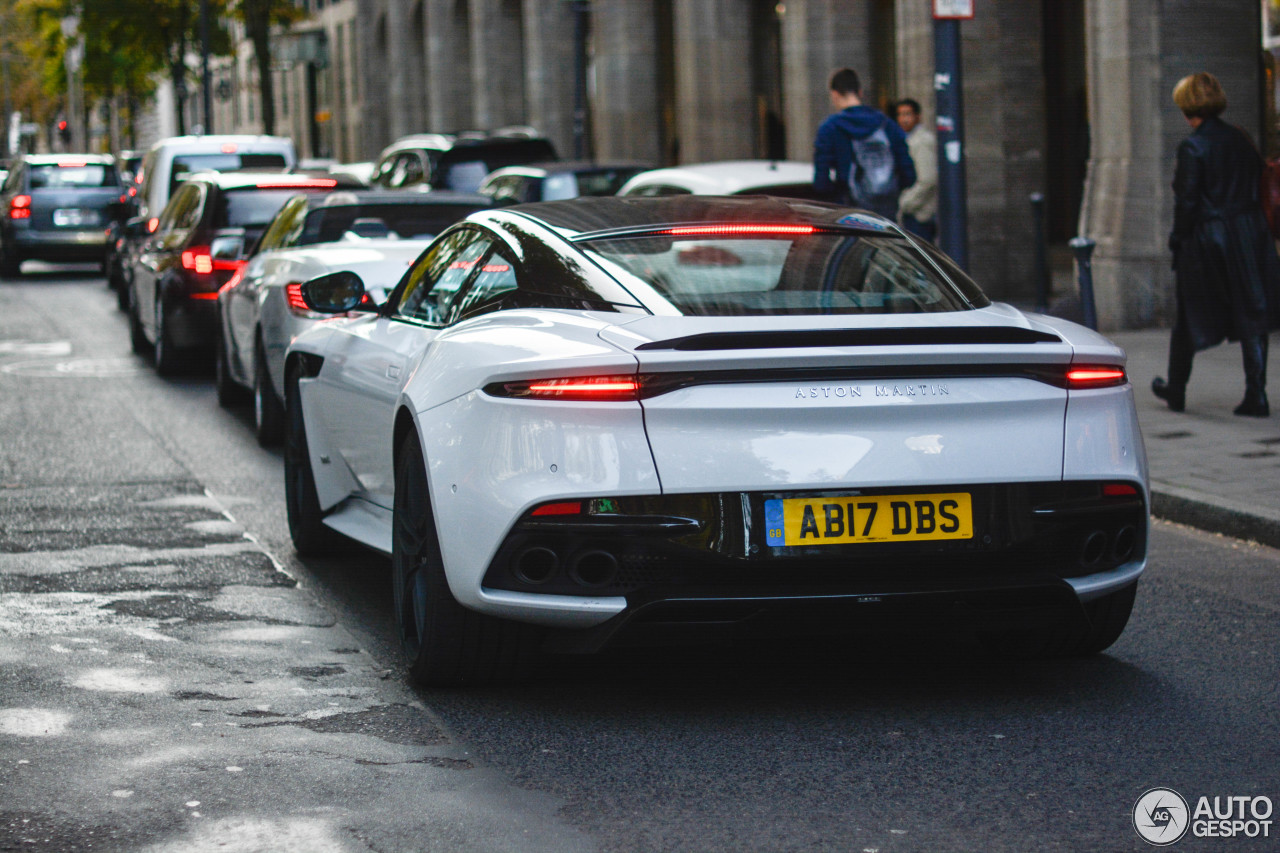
{"points": [[152, 224], [1103, 376], [566, 508], [320, 183], [1119, 490], [603, 388], [293, 296], [740, 230], [197, 258], [209, 296], [20, 207], [228, 148]]}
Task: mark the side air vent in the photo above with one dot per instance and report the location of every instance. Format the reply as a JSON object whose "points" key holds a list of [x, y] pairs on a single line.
{"points": [[854, 338]]}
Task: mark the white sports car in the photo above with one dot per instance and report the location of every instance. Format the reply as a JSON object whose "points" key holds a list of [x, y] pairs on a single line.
{"points": [[612, 420], [376, 234]]}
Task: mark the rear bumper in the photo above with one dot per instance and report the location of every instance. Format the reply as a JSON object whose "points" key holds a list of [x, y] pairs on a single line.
{"points": [[71, 246], [1038, 551]]}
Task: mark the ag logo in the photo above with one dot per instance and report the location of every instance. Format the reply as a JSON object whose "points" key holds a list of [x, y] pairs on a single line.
{"points": [[1161, 816]]}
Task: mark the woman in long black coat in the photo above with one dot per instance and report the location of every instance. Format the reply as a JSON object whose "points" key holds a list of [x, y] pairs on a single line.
{"points": [[1227, 270]]}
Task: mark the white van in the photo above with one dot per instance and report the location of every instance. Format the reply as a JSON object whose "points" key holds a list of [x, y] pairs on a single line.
{"points": [[171, 160]]}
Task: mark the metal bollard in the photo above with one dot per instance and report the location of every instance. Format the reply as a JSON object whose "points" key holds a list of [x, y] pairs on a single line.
{"points": [[1083, 248], [1043, 284]]}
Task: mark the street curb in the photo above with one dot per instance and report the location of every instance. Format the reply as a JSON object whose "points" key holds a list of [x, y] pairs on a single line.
{"points": [[1215, 514]]}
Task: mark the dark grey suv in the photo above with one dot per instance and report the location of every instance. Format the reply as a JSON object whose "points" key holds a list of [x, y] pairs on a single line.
{"points": [[56, 207]]}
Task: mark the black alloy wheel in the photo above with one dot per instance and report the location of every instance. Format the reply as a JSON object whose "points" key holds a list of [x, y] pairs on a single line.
{"points": [[310, 536], [446, 643], [268, 409], [229, 391]]}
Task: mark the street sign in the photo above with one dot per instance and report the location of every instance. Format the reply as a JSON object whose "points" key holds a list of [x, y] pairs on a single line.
{"points": [[953, 10]]}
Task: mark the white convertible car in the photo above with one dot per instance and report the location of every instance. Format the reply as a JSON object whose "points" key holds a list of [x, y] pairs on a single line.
{"points": [[612, 420]]}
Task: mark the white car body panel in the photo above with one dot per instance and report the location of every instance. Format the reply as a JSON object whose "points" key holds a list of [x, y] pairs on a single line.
{"points": [[732, 177], [258, 305]]}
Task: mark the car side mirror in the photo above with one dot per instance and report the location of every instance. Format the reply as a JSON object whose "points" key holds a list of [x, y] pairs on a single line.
{"points": [[335, 293], [227, 247]]}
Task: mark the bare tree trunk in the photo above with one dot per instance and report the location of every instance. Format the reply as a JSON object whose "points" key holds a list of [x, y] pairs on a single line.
{"points": [[257, 20]]}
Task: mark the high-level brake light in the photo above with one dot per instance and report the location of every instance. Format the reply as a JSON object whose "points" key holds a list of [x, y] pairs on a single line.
{"points": [[313, 183], [739, 230]]}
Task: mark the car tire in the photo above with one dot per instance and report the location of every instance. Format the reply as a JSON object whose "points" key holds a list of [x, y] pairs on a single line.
{"points": [[229, 391], [10, 262], [137, 336], [170, 361], [268, 409], [446, 643], [1104, 621], [310, 536], [122, 294]]}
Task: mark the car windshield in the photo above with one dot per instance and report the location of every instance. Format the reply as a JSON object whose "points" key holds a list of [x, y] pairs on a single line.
{"points": [[820, 273], [73, 176], [402, 220]]}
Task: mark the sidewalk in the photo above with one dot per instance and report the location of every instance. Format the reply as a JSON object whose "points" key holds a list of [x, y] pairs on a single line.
{"points": [[1209, 468]]}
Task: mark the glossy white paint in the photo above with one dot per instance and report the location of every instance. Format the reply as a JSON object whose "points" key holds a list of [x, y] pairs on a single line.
{"points": [[490, 459], [731, 177]]}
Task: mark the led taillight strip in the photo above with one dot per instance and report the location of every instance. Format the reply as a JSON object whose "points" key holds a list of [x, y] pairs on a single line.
{"points": [[1095, 377], [730, 230]]}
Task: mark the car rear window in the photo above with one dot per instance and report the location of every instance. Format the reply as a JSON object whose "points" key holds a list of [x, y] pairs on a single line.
{"points": [[464, 168], [404, 221], [251, 207], [822, 273], [73, 176], [185, 164]]}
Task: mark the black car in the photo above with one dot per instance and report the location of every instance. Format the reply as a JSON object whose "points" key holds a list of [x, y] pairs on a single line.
{"points": [[558, 181], [57, 208], [194, 247], [459, 162]]}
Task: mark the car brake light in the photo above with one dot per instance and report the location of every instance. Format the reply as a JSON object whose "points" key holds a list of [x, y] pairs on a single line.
{"points": [[152, 224], [229, 148], [76, 164], [20, 207], [321, 183], [1102, 376], [575, 388], [197, 258], [565, 508], [293, 296], [1119, 490], [743, 230]]}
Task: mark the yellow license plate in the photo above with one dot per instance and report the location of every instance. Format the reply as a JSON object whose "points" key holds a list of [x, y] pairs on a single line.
{"points": [[843, 520]]}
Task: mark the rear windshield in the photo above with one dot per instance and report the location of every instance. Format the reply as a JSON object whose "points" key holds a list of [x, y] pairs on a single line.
{"points": [[562, 185], [811, 274], [185, 164], [464, 168], [403, 221], [251, 207], [88, 175]]}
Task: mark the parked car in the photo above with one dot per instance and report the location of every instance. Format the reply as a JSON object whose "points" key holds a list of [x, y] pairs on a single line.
{"points": [[164, 167], [455, 162], [733, 177], [556, 181], [558, 438], [198, 243], [376, 234], [57, 208]]}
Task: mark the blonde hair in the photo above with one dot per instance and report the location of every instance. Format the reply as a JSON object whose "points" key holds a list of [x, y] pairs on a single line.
{"points": [[1200, 95]]}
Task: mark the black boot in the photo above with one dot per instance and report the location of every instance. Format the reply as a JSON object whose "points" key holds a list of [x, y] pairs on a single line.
{"points": [[1175, 397], [1255, 403], [1181, 354]]}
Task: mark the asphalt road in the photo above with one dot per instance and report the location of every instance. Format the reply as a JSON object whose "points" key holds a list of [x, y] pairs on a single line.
{"points": [[160, 645]]}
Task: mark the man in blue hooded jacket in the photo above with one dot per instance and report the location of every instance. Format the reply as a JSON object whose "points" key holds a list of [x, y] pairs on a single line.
{"points": [[865, 149]]}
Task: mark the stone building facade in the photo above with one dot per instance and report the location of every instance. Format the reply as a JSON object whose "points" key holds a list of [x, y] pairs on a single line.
{"points": [[1070, 98]]}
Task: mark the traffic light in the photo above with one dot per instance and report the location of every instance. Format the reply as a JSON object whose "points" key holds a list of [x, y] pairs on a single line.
{"points": [[64, 131]]}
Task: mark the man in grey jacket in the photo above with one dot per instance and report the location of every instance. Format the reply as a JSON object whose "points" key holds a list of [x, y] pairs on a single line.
{"points": [[919, 203]]}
